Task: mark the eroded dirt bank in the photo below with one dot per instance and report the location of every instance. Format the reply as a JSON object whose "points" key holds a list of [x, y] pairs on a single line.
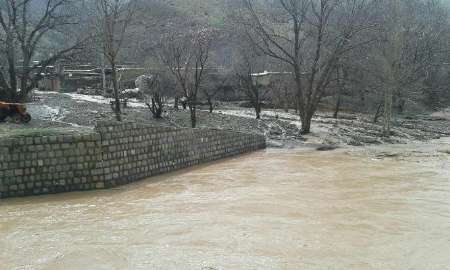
{"points": [[383, 207]]}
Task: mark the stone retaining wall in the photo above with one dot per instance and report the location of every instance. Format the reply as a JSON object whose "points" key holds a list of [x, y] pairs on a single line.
{"points": [[113, 155]]}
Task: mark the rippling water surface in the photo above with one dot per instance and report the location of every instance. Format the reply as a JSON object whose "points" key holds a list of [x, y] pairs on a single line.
{"points": [[357, 208]]}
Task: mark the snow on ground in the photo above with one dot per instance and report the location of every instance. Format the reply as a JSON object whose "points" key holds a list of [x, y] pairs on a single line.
{"points": [[274, 113], [444, 114], [94, 99], [133, 103], [36, 91], [241, 113], [265, 114], [45, 112], [131, 91], [79, 109], [248, 113]]}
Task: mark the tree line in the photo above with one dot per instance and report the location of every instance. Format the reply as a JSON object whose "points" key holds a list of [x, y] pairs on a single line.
{"points": [[376, 56]]}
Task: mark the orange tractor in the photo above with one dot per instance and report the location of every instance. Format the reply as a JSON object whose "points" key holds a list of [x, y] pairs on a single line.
{"points": [[17, 112]]}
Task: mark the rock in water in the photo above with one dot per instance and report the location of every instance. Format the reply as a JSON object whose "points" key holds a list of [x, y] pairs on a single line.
{"points": [[327, 148], [274, 144]]}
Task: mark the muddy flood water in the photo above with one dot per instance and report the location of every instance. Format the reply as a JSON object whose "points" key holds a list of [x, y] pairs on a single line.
{"points": [[355, 208]]}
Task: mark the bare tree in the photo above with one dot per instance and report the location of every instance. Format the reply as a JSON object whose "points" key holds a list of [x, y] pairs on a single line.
{"points": [[245, 71], [212, 86], [280, 90], [114, 19], [308, 35], [340, 88], [153, 88], [186, 56], [411, 39], [23, 30], [156, 97], [391, 55]]}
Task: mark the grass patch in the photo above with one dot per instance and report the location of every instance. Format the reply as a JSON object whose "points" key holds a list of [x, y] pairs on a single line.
{"points": [[8, 131]]}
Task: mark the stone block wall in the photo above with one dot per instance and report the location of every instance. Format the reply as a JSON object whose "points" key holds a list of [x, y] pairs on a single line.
{"points": [[114, 154]]}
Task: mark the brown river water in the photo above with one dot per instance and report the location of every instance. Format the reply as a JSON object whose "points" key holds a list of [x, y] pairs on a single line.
{"points": [[355, 208]]}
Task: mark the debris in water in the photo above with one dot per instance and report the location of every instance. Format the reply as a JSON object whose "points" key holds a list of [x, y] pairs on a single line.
{"points": [[327, 148]]}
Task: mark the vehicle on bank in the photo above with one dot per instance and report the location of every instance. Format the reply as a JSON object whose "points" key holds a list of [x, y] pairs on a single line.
{"points": [[17, 112]]}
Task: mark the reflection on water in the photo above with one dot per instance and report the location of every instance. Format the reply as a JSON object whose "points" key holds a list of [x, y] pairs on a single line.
{"points": [[373, 208]]}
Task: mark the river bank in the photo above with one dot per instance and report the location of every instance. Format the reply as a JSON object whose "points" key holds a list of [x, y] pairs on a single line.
{"points": [[77, 113]]}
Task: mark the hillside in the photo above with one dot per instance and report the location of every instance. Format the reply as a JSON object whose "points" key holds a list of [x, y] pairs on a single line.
{"points": [[212, 10]]}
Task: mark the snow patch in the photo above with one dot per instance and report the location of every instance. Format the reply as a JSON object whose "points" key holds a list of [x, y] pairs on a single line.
{"points": [[131, 91], [445, 114], [240, 113], [265, 113], [94, 99], [265, 73], [45, 112], [132, 103], [39, 92]]}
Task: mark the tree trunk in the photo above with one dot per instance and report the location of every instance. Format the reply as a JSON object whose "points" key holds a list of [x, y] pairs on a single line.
{"points": [[300, 107], [256, 100], [211, 105], [116, 91], [103, 76], [157, 106], [193, 116], [387, 111], [338, 107], [306, 124], [175, 104], [6, 94], [26, 83], [11, 56], [340, 90], [258, 109], [401, 105], [24, 79], [378, 113], [286, 100]]}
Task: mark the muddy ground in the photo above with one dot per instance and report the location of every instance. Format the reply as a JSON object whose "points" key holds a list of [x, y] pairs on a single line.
{"points": [[79, 113]]}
